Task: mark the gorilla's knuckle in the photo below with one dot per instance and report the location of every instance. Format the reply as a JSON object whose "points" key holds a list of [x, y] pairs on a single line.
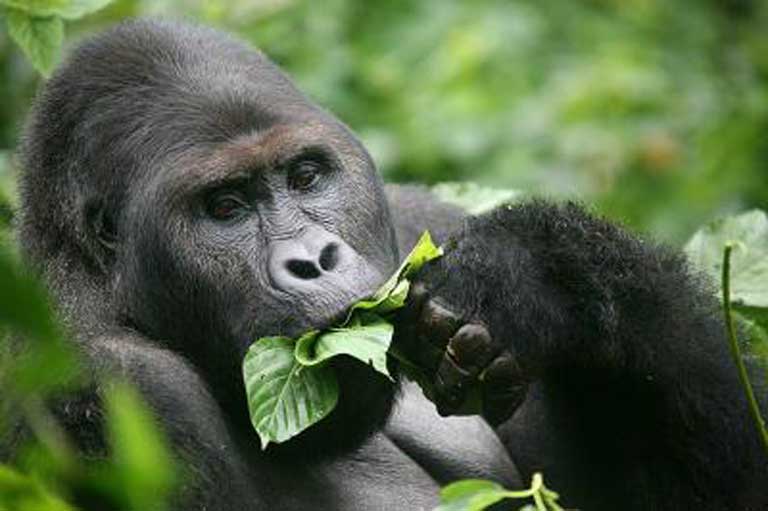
{"points": [[472, 347]]}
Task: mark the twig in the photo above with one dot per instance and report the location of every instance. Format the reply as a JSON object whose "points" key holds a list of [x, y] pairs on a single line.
{"points": [[736, 351]]}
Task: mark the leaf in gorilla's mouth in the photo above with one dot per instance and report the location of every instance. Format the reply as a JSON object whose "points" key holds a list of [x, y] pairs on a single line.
{"points": [[288, 382]]}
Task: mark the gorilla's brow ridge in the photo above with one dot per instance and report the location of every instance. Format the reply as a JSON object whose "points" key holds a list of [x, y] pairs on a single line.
{"points": [[248, 156]]}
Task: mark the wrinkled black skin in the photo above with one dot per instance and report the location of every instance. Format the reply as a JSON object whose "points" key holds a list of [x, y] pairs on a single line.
{"points": [[633, 404]]}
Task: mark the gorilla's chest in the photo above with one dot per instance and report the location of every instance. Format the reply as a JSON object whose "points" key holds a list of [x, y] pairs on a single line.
{"points": [[401, 468], [377, 477]]}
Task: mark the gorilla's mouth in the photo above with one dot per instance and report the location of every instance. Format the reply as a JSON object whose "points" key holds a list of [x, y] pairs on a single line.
{"points": [[294, 316]]}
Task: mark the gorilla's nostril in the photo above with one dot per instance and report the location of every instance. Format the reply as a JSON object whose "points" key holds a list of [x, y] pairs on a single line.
{"points": [[329, 257], [302, 269]]}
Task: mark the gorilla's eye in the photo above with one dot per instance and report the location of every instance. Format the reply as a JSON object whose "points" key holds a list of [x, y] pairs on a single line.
{"points": [[226, 206], [304, 175]]}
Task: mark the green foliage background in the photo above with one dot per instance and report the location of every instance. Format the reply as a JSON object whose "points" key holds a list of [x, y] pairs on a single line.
{"points": [[655, 110]]}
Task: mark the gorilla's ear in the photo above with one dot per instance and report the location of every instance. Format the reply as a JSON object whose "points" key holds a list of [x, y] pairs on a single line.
{"points": [[101, 227]]}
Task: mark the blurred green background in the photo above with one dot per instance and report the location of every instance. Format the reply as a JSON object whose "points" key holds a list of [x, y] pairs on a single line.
{"points": [[654, 110]]}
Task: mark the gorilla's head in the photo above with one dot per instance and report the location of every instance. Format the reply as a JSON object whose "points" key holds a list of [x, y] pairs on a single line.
{"points": [[177, 184]]}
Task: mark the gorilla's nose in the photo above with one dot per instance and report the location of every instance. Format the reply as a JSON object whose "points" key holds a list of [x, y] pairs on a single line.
{"points": [[313, 267], [316, 259]]}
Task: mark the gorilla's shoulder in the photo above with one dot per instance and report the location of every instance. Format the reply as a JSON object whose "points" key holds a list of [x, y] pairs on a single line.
{"points": [[416, 209]]}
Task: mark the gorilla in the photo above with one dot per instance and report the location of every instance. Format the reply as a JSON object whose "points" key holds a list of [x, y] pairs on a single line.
{"points": [[181, 198]]}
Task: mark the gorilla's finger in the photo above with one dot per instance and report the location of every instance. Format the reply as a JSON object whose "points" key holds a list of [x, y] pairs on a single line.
{"points": [[467, 353], [472, 348], [437, 324], [408, 338], [451, 384], [504, 389], [450, 387]]}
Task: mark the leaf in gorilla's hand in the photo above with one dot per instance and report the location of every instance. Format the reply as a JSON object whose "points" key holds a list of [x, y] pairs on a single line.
{"points": [[392, 294], [288, 385], [285, 397]]}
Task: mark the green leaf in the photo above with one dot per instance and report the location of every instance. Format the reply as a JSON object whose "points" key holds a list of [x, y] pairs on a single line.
{"points": [[8, 195], [24, 493], [44, 367], [749, 260], [392, 294], [366, 340], [473, 198], [140, 456], [40, 38], [23, 301], [47, 362], [470, 495], [67, 9], [284, 397]]}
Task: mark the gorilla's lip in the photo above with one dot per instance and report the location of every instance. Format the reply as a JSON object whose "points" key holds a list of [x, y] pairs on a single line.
{"points": [[302, 321], [334, 317]]}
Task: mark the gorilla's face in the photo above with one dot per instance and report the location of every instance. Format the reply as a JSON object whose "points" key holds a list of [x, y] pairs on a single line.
{"points": [[273, 232]]}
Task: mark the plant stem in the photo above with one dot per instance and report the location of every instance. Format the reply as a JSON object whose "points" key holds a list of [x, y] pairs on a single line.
{"points": [[736, 351]]}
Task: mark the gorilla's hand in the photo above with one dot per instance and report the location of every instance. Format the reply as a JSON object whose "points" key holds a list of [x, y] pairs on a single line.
{"points": [[460, 358], [489, 315]]}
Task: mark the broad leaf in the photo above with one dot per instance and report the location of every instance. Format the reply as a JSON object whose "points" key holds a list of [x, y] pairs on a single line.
{"points": [[392, 294], [284, 397], [367, 340], [749, 259], [40, 38]]}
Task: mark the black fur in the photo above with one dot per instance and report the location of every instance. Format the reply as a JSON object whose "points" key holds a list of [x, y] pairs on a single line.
{"points": [[636, 405]]}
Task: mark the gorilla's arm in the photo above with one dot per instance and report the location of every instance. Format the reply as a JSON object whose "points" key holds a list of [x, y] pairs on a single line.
{"points": [[635, 403]]}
